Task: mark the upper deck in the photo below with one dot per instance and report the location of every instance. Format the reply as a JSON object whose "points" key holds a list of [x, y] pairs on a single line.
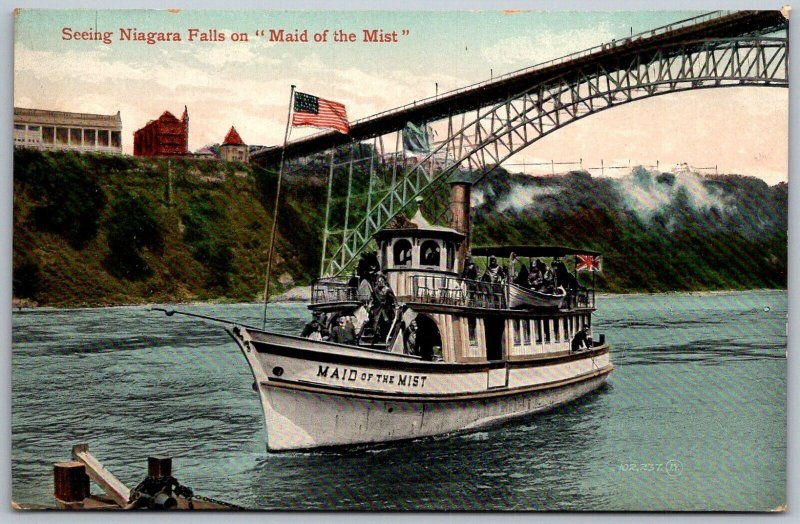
{"points": [[445, 290]]}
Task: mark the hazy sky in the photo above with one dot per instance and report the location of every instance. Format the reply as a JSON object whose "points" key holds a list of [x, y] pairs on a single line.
{"points": [[246, 84]]}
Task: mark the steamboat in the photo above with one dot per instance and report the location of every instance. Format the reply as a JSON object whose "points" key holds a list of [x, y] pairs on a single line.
{"points": [[418, 343]]}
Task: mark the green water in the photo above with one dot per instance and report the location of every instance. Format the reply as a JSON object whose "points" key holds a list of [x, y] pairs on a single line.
{"points": [[693, 418]]}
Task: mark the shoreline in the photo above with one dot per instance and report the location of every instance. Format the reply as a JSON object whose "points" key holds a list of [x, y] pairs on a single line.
{"points": [[302, 295]]}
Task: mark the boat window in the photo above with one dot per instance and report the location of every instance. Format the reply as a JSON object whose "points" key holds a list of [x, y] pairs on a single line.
{"points": [[402, 252], [516, 332], [472, 326], [526, 332], [430, 252], [451, 255]]}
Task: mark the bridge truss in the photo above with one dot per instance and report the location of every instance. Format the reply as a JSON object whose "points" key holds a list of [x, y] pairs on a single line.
{"points": [[372, 181]]}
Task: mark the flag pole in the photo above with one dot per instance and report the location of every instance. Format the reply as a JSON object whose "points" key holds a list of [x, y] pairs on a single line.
{"points": [[275, 211]]}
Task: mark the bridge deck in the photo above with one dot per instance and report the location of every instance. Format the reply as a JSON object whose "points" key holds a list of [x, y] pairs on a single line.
{"points": [[610, 55]]}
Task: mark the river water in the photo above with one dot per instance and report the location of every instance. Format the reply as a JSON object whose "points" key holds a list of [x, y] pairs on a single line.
{"points": [[693, 418]]}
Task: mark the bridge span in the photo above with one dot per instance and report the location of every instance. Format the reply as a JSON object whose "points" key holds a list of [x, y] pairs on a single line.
{"points": [[642, 46], [372, 178]]}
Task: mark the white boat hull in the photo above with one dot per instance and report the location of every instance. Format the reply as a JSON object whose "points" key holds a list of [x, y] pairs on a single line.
{"points": [[322, 395]]}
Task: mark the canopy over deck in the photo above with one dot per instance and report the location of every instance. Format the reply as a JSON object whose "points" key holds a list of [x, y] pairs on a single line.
{"points": [[530, 251]]}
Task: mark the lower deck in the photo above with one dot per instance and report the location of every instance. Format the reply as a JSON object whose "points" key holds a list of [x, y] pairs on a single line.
{"points": [[473, 335]]}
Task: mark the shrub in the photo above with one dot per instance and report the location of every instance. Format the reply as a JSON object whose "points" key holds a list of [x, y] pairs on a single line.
{"points": [[131, 228], [70, 200]]}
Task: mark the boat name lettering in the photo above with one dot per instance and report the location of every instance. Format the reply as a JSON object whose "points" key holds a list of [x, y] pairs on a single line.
{"points": [[351, 375]]}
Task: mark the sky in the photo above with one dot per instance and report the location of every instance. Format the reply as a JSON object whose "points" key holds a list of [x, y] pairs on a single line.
{"points": [[247, 84]]}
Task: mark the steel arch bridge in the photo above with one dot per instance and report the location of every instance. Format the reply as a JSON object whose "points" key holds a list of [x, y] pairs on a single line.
{"points": [[480, 138]]}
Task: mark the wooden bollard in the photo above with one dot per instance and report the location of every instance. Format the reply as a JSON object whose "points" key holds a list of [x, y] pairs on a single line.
{"points": [[71, 484], [159, 466]]}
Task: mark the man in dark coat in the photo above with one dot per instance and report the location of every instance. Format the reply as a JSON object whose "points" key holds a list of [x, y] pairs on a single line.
{"points": [[581, 339]]}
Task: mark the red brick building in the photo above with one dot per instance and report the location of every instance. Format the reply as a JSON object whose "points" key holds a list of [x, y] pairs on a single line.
{"points": [[233, 148], [166, 136]]}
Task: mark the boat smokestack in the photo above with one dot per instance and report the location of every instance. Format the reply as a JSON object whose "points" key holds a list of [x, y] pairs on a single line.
{"points": [[460, 198]]}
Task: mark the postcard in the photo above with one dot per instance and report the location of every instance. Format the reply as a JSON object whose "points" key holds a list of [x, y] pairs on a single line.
{"points": [[400, 261]]}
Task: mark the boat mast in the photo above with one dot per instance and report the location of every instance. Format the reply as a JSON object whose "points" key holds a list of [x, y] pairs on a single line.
{"points": [[275, 211]]}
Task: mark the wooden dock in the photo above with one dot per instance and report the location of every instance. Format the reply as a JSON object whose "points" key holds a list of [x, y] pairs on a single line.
{"points": [[158, 491]]}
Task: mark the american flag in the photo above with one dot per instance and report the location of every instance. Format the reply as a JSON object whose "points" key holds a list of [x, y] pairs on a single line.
{"points": [[310, 110], [589, 263]]}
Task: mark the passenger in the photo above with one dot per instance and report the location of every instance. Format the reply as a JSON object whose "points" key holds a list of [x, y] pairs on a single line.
{"points": [[581, 339], [548, 282], [316, 331], [410, 336], [537, 271], [430, 257], [511, 272], [494, 272], [368, 266], [352, 287], [382, 310], [471, 270], [310, 326], [523, 276], [343, 333]]}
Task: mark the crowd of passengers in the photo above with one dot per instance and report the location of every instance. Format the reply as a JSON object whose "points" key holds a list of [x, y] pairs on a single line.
{"points": [[555, 279], [374, 319]]}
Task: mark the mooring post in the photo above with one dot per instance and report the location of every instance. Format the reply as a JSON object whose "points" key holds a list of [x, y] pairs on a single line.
{"points": [[159, 466], [71, 484]]}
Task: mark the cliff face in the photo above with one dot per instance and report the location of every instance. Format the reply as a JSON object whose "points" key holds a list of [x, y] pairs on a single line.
{"points": [[95, 230], [658, 231]]}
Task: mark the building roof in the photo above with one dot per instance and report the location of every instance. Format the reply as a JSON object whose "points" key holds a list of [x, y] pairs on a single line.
{"points": [[64, 118], [418, 226], [233, 138], [530, 251], [166, 115]]}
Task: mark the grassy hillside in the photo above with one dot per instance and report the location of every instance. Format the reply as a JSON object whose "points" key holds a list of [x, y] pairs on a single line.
{"points": [[95, 229], [658, 231]]}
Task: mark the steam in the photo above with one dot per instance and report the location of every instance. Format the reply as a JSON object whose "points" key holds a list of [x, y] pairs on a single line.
{"points": [[477, 198], [647, 194], [519, 197]]}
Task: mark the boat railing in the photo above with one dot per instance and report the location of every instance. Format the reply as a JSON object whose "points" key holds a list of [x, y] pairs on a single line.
{"points": [[333, 290], [435, 289], [580, 298]]}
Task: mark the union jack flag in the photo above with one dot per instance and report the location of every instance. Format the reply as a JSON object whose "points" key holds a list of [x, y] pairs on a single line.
{"points": [[589, 263]]}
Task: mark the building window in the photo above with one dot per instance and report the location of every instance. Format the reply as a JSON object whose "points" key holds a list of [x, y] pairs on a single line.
{"points": [[538, 325], [517, 340], [546, 331], [402, 252], [556, 330], [75, 136], [526, 332], [116, 139], [472, 327], [102, 138], [89, 137], [62, 135], [451, 255], [34, 135], [48, 135], [430, 253]]}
